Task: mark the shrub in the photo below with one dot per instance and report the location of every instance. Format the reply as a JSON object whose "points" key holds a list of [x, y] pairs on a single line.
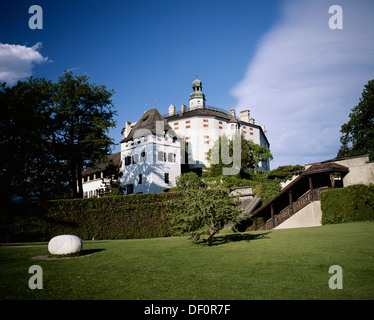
{"points": [[189, 180], [117, 217], [202, 214], [353, 203]]}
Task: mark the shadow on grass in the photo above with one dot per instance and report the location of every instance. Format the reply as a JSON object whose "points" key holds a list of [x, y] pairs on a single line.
{"points": [[235, 237], [80, 254], [86, 252]]}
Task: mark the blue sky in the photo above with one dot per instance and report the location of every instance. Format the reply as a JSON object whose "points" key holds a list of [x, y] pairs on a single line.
{"points": [[279, 59]]}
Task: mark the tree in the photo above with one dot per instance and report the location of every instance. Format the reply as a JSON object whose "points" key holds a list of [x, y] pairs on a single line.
{"points": [[250, 154], [358, 133], [202, 215], [83, 114], [112, 179], [48, 133], [189, 180], [29, 167]]}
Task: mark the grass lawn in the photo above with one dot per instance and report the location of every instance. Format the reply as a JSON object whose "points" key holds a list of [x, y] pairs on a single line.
{"points": [[278, 264]]}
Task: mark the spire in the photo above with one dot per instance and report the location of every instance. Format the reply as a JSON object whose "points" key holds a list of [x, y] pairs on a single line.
{"points": [[197, 97]]}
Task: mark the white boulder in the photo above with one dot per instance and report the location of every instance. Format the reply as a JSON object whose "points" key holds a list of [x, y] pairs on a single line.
{"points": [[65, 244]]}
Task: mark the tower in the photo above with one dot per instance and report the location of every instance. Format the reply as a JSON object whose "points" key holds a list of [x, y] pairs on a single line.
{"points": [[197, 97]]}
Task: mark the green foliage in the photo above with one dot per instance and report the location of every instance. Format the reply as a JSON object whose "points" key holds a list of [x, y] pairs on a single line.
{"points": [[84, 114], [265, 184], [49, 132], [358, 133], [201, 214], [267, 189], [29, 166], [353, 203], [189, 180], [117, 217], [250, 154], [268, 182]]}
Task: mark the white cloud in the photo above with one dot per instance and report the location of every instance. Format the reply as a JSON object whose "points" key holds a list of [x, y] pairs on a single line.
{"points": [[305, 78], [17, 61]]}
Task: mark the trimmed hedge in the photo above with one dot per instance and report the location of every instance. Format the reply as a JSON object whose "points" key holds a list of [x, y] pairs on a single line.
{"points": [[119, 217], [353, 203]]}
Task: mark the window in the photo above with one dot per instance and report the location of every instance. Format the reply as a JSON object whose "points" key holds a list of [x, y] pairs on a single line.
{"points": [[161, 156], [188, 124], [140, 178], [135, 158], [127, 161], [130, 189], [205, 123], [172, 157], [166, 178], [143, 157]]}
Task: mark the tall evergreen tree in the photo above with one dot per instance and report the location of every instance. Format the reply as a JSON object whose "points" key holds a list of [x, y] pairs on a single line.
{"points": [[29, 168], [358, 133], [83, 114]]}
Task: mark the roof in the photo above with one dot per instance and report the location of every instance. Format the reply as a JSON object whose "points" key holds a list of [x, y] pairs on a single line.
{"points": [[146, 124], [99, 167], [342, 158], [325, 167]]}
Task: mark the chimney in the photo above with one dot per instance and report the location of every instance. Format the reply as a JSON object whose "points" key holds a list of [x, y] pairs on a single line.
{"points": [[172, 110], [244, 116], [252, 121], [127, 129], [183, 108], [232, 112], [263, 129]]}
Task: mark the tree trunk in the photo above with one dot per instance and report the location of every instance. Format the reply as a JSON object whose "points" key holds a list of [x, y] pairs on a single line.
{"points": [[209, 240], [79, 178]]}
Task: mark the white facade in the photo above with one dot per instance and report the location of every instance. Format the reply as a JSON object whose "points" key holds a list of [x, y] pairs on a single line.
{"points": [[150, 164], [200, 130], [94, 188], [201, 126]]}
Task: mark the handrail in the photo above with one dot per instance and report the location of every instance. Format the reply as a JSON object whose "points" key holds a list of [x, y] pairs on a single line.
{"points": [[290, 210]]}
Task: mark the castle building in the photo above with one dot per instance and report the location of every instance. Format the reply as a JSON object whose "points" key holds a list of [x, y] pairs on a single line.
{"points": [[154, 148], [201, 125], [150, 154]]}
